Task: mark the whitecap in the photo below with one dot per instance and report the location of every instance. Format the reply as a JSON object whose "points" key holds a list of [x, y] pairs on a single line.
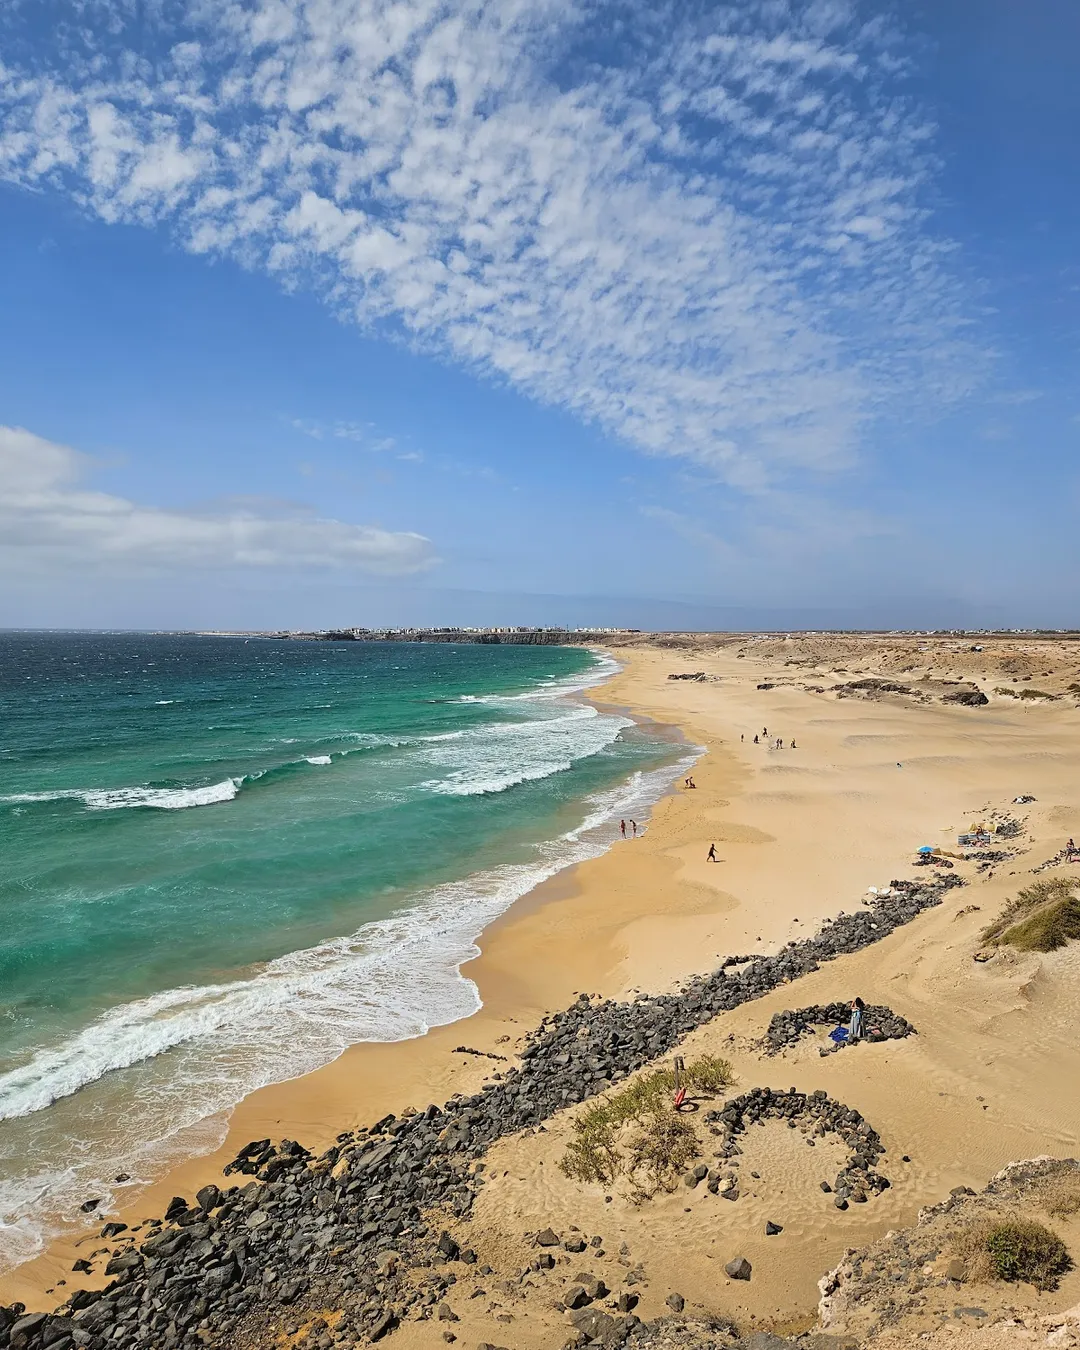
{"points": [[199, 1050], [116, 799]]}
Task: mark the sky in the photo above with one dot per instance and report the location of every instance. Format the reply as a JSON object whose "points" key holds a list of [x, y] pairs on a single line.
{"points": [[665, 315]]}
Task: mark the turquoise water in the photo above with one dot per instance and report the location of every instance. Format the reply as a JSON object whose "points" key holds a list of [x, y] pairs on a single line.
{"points": [[225, 860]]}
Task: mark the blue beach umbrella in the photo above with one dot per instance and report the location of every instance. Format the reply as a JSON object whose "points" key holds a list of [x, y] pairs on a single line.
{"points": [[925, 849]]}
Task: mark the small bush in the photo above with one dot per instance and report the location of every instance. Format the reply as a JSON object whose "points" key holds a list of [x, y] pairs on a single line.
{"points": [[596, 1151], [1034, 694], [1051, 927], [1042, 918], [1027, 1251], [1060, 1196], [1009, 693], [660, 1152], [710, 1074]]}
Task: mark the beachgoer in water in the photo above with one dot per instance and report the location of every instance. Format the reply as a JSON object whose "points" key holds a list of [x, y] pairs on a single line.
{"points": [[742, 736], [855, 1027], [633, 826], [622, 826], [755, 740], [780, 743], [712, 853], [793, 745], [765, 731]]}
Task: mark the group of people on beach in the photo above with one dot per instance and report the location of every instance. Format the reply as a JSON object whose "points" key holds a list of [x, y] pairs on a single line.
{"points": [[759, 737], [778, 742], [633, 827]]}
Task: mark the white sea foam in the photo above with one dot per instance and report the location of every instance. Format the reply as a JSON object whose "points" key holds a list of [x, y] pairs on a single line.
{"points": [[116, 799], [499, 755], [307, 1006], [318, 759], [157, 1076]]}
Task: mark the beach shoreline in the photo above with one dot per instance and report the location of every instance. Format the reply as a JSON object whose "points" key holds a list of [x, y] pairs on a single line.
{"points": [[801, 835], [316, 1106]]}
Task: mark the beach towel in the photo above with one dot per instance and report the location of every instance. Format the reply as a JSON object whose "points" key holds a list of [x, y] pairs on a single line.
{"points": [[839, 1035]]}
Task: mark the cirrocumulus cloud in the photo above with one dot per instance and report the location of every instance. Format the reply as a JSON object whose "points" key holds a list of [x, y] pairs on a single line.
{"points": [[702, 227]]}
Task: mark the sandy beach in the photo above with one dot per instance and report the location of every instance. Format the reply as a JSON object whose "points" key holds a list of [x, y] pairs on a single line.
{"points": [[800, 835]]}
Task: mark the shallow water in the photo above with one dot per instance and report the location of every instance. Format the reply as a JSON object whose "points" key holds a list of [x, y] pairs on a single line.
{"points": [[225, 860]]}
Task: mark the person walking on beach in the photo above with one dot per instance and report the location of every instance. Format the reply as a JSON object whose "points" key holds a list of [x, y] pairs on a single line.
{"points": [[622, 826], [712, 854], [855, 1027]]}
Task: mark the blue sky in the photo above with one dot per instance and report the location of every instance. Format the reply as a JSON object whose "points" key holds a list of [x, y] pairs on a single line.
{"points": [[344, 311]]}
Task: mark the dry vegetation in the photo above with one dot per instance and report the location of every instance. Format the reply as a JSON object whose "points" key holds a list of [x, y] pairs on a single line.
{"points": [[1042, 918], [1014, 1250], [636, 1133], [1060, 1196]]}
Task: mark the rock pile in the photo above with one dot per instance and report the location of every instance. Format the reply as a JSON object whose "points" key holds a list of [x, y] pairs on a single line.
{"points": [[787, 1028], [343, 1230], [968, 698], [818, 1115]]}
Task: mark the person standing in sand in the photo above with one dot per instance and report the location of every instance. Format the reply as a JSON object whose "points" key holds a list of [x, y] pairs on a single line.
{"points": [[712, 854], [855, 1026]]}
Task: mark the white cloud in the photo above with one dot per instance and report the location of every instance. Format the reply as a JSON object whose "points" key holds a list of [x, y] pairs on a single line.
{"points": [[48, 520], [712, 244]]}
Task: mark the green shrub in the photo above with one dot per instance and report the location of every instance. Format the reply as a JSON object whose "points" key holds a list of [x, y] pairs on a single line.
{"points": [[594, 1154], [660, 1152], [1024, 1250], [1042, 918], [710, 1074], [1046, 930]]}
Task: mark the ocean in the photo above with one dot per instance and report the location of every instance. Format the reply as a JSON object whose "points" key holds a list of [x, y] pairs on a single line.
{"points": [[224, 860]]}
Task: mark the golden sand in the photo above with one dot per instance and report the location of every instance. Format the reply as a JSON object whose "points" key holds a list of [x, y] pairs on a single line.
{"points": [[800, 835]]}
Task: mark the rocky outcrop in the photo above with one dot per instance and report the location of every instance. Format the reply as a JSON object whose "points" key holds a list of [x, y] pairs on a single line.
{"points": [[911, 1277]]}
